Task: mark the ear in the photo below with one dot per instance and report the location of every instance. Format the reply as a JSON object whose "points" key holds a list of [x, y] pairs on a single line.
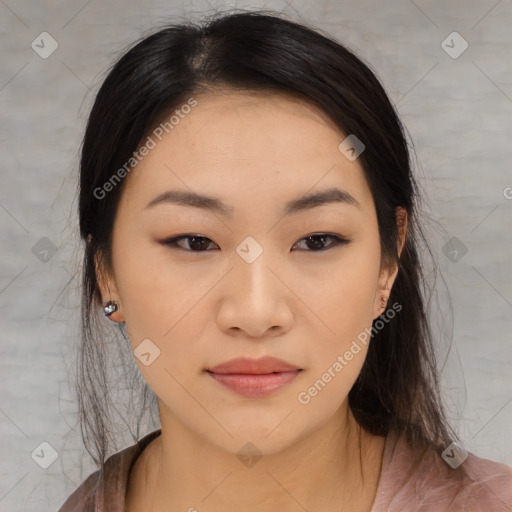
{"points": [[107, 286], [389, 272]]}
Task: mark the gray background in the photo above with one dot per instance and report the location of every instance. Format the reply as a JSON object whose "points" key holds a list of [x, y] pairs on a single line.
{"points": [[457, 111]]}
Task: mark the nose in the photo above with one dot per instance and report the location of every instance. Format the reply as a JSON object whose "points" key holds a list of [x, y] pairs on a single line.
{"points": [[255, 300]]}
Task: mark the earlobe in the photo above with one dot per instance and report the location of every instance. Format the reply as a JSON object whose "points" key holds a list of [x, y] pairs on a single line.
{"points": [[110, 299], [110, 307], [382, 295]]}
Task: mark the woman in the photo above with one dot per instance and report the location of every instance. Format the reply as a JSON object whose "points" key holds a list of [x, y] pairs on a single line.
{"points": [[250, 219]]}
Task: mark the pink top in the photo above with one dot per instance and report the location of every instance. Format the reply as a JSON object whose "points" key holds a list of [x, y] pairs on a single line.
{"points": [[406, 484]]}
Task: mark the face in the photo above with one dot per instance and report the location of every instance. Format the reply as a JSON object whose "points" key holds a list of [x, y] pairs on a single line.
{"points": [[264, 275]]}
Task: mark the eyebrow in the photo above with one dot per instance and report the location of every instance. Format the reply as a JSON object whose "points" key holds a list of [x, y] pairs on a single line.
{"points": [[304, 203]]}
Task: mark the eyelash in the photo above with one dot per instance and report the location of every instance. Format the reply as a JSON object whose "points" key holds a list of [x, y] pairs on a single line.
{"points": [[172, 242]]}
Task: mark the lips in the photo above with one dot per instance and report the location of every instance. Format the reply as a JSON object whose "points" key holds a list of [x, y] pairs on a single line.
{"points": [[245, 365], [254, 378]]}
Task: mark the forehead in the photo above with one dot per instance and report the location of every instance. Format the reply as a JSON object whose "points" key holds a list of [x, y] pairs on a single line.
{"points": [[247, 149]]}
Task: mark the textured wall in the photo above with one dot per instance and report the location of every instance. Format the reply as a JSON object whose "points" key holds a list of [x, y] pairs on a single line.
{"points": [[456, 105]]}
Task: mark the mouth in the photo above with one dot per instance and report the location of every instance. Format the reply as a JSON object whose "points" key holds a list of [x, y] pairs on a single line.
{"points": [[254, 378]]}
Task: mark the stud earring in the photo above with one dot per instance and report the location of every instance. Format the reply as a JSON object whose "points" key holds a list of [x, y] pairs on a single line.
{"points": [[110, 307]]}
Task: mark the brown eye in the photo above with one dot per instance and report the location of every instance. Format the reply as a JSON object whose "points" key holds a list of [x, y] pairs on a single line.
{"points": [[317, 242], [194, 243]]}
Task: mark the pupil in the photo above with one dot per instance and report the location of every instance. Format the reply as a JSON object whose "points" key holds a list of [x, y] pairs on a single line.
{"points": [[317, 241], [198, 245]]}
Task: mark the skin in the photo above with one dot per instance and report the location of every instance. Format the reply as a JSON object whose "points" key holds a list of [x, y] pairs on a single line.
{"points": [[254, 152]]}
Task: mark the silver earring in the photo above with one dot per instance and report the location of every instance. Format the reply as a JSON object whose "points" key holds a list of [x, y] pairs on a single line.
{"points": [[110, 307]]}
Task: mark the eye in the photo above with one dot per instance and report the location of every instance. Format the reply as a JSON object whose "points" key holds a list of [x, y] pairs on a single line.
{"points": [[195, 243], [317, 241]]}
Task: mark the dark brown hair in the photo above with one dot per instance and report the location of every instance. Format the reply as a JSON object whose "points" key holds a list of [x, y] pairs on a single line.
{"points": [[397, 388]]}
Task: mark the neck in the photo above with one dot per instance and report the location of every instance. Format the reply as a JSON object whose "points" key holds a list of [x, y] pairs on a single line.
{"points": [[338, 466]]}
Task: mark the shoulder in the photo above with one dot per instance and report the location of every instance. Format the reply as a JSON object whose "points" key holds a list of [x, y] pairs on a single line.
{"points": [[427, 482], [105, 489], [83, 499]]}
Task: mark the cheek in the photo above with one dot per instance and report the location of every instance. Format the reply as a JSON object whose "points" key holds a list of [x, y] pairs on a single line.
{"points": [[343, 301], [163, 334], [165, 312], [341, 294], [336, 359], [330, 382], [154, 292]]}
